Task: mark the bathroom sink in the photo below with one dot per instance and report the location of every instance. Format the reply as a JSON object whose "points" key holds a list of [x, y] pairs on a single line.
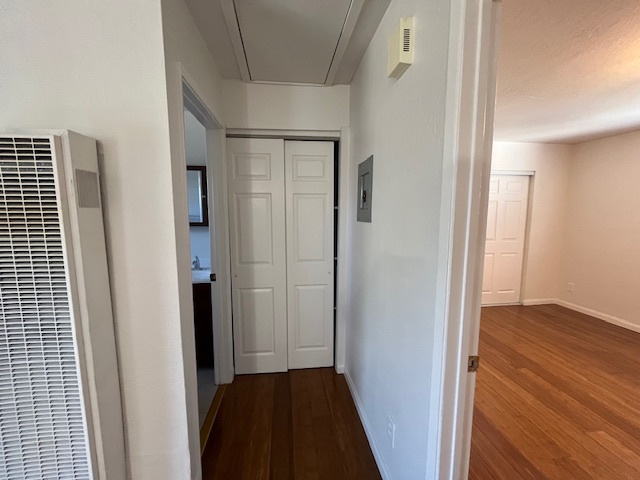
{"points": [[200, 276]]}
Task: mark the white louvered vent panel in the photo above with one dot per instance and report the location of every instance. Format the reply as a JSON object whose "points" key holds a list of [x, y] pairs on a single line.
{"points": [[42, 424]]}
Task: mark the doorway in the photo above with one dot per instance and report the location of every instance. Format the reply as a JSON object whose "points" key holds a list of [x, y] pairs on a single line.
{"points": [[204, 170], [283, 216], [200, 227]]}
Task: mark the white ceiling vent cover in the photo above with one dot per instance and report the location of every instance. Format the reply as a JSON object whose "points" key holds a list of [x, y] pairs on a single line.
{"points": [[56, 415], [401, 47]]}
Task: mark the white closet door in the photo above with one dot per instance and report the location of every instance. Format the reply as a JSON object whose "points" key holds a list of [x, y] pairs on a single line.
{"points": [[504, 249], [258, 261], [310, 252]]}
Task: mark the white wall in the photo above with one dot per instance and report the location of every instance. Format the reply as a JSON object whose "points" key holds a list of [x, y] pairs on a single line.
{"points": [[548, 200], [601, 251], [195, 139], [186, 52], [394, 259], [279, 107], [98, 68], [200, 245]]}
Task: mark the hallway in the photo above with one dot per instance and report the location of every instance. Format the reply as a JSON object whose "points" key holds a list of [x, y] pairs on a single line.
{"points": [[300, 424]]}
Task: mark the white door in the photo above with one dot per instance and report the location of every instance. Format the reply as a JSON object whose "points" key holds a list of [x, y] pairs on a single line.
{"points": [[258, 258], [310, 252], [504, 250]]}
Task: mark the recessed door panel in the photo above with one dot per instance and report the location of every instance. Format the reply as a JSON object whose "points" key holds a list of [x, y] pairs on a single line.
{"points": [[252, 166], [309, 223], [487, 278], [512, 210], [256, 315], [504, 247], [309, 168], [492, 220], [310, 312], [508, 278], [255, 228]]}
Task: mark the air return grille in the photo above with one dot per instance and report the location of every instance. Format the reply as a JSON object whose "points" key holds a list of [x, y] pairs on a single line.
{"points": [[42, 424], [406, 40]]}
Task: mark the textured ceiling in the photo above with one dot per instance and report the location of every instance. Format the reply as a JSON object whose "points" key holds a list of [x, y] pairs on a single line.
{"points": [[568, 70]]}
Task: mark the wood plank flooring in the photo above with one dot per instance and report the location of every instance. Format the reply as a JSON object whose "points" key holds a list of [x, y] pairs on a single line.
{"points": [[557, 397], [296, 425]]}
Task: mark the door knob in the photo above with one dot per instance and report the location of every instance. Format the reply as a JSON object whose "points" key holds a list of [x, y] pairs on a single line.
{"points": [[212, 277]]}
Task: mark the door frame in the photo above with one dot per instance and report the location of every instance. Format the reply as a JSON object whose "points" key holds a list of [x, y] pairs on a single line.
{"points": [[470, 106], [191, 100], [345, 193]]}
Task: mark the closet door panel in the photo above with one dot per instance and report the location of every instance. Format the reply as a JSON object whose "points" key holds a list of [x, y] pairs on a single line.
{"points": [[258, 254], [310, 257]]}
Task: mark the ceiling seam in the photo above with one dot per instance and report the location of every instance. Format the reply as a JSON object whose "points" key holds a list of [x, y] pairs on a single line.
{"points": [[244, 50], [344, 22]]}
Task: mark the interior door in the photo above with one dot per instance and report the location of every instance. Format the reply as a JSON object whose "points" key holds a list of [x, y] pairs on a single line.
{"points": [[309, 168], [504, 250], [258, 259]]}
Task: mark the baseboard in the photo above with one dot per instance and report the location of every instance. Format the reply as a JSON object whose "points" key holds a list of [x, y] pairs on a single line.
{"points": [[340, 369], [207, 426], [539, 301], [508, 304], [620, 322], [382, 466]]}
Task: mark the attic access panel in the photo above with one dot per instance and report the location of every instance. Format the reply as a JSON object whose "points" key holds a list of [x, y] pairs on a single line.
{"points": [[290, 40]]}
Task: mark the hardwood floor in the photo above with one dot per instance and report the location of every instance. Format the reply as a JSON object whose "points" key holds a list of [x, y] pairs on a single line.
{"points": [[296, 425], [557, 397]]}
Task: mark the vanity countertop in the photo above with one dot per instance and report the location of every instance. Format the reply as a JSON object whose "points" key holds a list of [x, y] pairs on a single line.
{"points": [[200, 276]]}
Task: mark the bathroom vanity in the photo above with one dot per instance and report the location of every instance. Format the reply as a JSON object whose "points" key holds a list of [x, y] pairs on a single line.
{"points": [[203, 321]]}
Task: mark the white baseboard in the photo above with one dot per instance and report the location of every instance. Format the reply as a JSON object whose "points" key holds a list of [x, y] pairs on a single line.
{"points": [[539, 301], [620, 322], [382, 466], [340, 369]]}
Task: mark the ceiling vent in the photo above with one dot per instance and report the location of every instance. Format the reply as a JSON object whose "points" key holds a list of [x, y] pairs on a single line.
{"points": [[401, 47]]}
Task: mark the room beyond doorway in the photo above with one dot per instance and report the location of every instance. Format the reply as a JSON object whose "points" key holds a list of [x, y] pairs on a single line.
{"points": [[557, 397]]}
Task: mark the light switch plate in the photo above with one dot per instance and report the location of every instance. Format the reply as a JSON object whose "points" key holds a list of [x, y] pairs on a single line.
{"points": [[365, 190]]}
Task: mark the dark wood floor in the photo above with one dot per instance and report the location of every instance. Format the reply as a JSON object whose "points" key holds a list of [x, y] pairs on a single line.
{"points": [[557, 397], [297, 425]]}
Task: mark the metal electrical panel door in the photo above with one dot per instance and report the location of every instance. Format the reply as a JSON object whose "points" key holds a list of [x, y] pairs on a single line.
{"points": [[309, 188], [504, 248], [255, 172]]}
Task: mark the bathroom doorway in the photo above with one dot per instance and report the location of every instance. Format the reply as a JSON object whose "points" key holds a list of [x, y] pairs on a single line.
{"points": [[204, 155], [200, 226]]}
